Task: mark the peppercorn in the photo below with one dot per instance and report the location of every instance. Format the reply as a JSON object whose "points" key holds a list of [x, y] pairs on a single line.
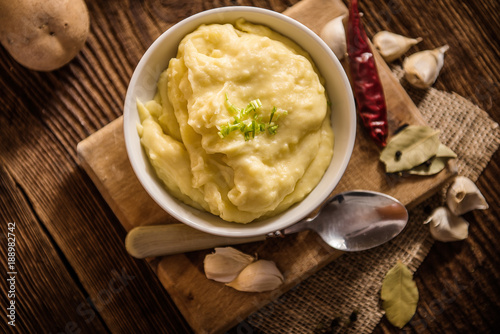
{"points": [[340, 199], [401, 128]]}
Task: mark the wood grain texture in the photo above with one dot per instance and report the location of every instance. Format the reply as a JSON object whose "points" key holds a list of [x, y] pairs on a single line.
{"points": [[36, 263], [87, 233], [459, 289], [104, 156], [44, 115]]}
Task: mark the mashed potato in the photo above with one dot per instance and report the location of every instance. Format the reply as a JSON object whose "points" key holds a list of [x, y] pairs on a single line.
{"points": [[266, 163]]}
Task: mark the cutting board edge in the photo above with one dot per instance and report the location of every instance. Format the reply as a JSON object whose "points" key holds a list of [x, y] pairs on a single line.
{"points": [[84, 154]]}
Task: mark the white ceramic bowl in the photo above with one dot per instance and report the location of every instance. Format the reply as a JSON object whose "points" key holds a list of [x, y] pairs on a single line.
{"points": [[143, 86]]}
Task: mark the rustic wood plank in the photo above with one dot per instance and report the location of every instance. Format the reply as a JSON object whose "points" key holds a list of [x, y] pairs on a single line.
{"points": [[104, 157], [86, 232], [36, 263], [67, 111]]}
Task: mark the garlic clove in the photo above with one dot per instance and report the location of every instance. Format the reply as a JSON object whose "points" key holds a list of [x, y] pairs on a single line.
{"points": [[259, 276], [463, 196], [225, 264], [422, 68], [391, 46], [445, 226], [333, 33]]}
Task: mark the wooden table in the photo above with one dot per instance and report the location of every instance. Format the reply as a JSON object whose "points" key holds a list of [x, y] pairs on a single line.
{"points": [[73, 274]]}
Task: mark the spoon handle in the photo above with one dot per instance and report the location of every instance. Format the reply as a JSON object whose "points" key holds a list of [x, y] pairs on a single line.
{"points": [[159, 240]]}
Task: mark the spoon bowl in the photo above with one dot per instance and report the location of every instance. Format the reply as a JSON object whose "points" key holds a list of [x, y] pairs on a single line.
{"points": [[350, 221], [356, 220]]}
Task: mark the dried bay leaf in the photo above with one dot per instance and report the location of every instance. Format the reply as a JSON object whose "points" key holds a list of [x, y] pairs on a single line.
{"points": [[399, 295], [411, 147], [437, 164]]}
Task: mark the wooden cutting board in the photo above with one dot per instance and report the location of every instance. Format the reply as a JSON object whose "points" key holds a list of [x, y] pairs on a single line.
{"points": [[210, 307]]}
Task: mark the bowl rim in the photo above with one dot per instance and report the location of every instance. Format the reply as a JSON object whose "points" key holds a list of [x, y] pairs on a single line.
{"points": [[193, 217]]}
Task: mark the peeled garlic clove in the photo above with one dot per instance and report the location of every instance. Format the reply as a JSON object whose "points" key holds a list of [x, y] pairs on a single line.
{"points": [[333, 33], [422, 68], [392, 46], [464, 196], [225, 264], [445, 226], [259, 276]]}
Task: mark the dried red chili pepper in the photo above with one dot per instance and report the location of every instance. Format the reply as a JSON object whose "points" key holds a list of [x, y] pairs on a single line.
{"points": [[366, 83]]}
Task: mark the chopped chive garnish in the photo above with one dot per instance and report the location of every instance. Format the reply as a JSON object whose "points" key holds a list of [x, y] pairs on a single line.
{"points": [[249, 121], [272, 129], [272, 115], [232, 108]]}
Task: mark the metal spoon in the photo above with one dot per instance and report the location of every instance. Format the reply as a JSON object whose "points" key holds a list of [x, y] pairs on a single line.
{"points": [[350, 221]]}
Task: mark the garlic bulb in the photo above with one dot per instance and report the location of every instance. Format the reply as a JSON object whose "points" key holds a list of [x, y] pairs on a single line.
{"points": [[464, 196], [333, 33], [422, 68], [225, 264], [392, 46], [445, 226], [258, 276]]}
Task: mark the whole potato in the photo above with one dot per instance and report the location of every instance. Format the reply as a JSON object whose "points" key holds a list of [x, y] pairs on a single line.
{"points": [[43, 35]]}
